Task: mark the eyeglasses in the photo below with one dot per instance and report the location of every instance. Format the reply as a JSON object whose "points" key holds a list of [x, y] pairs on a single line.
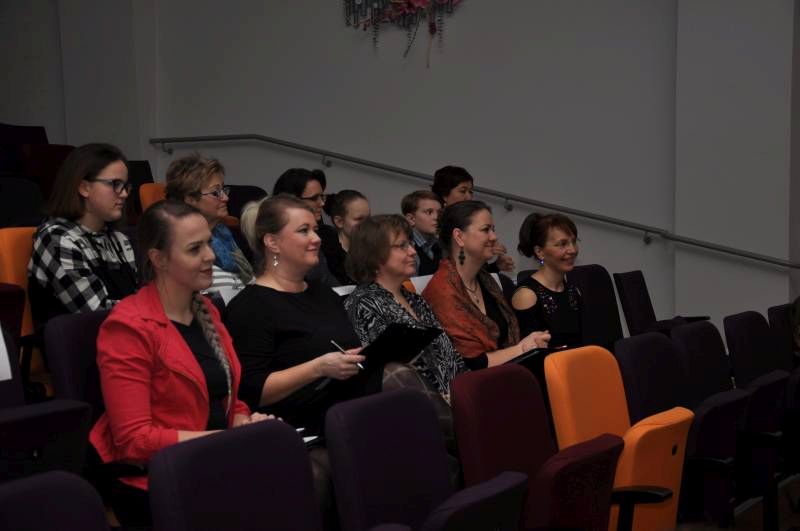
{"points": [[118, 185], [403, 245], [563, 244], [217, 193], [314, 198]]}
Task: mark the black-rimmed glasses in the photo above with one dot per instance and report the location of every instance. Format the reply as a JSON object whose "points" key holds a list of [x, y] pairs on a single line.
{"points": [[118, 185], [314, 198]]}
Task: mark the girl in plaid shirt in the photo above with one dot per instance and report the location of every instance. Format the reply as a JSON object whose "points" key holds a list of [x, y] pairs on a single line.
{"points": [[79, 262]]}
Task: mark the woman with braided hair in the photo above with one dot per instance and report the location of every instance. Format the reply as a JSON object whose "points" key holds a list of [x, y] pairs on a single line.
{"points": [[167, 365]]}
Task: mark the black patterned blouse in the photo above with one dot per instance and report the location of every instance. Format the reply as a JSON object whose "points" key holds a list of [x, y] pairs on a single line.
{"points": [[556, 311], [372, 308]]}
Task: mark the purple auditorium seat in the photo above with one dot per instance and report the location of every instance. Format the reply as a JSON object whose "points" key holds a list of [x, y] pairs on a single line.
{"points": [[599, 314], [638, 308], [71, 503], [655, 378], [39, 437], [501, 424], [389, 464], [249, 478]]}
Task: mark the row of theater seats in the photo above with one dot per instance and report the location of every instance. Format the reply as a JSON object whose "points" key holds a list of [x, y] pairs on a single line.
{"points": [[742, 439]]}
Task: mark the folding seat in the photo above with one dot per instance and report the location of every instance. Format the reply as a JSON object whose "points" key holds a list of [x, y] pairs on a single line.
{"points": [[150, 193], [781, 323], [139, 173], [20, 203], [12, 307], [655, 379], [708, 372], [588, 399], [16, 246], [501, 424], [22, 134], [41, 162], [600, 323], [389, 464], [34, 438], [638, 308], [252, 478], [53, 500], [241, 195]]}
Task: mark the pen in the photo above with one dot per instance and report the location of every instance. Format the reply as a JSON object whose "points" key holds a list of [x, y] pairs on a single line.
{"points": [[335, 344]]}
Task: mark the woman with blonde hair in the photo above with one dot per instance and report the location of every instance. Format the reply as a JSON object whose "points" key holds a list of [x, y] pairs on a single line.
{"points": [[168, 369], [200, 182]]}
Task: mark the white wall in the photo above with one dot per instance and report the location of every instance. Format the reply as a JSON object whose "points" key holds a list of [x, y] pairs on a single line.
{"points": [[565, 101], [31, 92], [733, 112]]}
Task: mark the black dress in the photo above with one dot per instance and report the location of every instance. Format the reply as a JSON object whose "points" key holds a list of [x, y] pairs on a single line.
{"points": [[335, 255], [557, 312], [274, 330]]}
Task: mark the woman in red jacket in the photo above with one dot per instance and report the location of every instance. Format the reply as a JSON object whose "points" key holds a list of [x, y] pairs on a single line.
{"points": [[167, 365]]}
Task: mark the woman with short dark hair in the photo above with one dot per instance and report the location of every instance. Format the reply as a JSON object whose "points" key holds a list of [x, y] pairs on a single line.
{"points": [[79, 262], [546, 300], [381, 258]]}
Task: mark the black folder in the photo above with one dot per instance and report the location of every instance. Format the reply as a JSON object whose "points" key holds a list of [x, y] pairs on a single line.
{"points": [[400, 343]]}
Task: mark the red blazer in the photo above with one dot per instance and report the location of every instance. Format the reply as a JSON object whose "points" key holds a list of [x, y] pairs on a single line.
{"points": [[471, 332], [152, 384]]}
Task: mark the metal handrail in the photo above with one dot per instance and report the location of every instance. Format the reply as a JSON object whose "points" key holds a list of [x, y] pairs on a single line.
{"points": [[328, 156]]}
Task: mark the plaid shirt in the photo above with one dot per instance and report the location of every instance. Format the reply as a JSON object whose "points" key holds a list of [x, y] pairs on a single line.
{"points": [[66, 256]]}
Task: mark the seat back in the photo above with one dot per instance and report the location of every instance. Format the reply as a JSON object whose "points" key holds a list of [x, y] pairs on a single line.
{"points": [[587, 397], [569, 490], [41, 162], [652, 374], [150, 193], [393, 435], [635, 301], [12, 308], [752, 347], [701, 351], [600, 322], [16, 246], [251, 478], [242, 194], [71, 344], [11, 394], [71, 503], [139, 173], [20, 202], [781, 324], [654, 454], [495, 504], [22, 134]]}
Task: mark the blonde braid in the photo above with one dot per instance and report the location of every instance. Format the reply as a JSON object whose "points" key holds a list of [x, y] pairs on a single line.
{"points": [[200, 313]]}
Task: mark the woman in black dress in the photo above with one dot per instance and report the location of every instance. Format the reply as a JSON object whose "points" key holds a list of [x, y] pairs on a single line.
{"points": [[546, 300]]}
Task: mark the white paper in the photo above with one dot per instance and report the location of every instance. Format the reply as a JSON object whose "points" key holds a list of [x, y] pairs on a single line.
{"points": [[5, 363]]}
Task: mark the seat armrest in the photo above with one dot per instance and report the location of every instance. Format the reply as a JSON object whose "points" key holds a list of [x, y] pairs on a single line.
{"points": [[769, 439], [713, 463], [629, 497]]}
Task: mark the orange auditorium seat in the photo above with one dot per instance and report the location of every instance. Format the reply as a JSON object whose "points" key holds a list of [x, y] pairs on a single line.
{"points": [[16, 246], [588, 399], [150, 193]]}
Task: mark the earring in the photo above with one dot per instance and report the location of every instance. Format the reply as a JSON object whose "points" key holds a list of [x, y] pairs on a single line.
{"points": [[461, 256], [275, 261], [541, 261]]}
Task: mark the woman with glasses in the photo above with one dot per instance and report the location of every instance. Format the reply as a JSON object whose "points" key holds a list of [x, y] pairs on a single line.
{"points": [[79, 262], [546, 300], [309, 185], [200, 182]]}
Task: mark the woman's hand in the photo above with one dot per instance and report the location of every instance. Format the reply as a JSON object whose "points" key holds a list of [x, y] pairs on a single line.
{"points": [[338, 365], [243, 420], [504, 261], [535, 340]]}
